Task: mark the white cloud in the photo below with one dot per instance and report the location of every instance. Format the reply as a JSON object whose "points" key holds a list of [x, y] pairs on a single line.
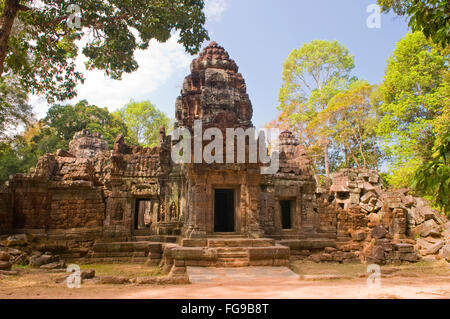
{"points": [[214, 9], [156, 65]]}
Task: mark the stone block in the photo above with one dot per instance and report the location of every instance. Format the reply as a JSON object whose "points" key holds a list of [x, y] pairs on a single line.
{"points": [[275, 252], [445, 252], [326, 257], [17, 240], [261, 262], [378, 232], [435, 247], [359, 235], [194, 253], [427, 228], [367, 196], [404, 248], [378, 253], [194, 242], [5, 265]]}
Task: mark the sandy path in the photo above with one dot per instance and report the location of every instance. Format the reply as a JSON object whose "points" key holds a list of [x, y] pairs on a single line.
{"points": [[395, 287]]}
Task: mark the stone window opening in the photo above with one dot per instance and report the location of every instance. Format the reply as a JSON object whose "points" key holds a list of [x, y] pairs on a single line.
{"points": [[343, 195], [286, 214]]}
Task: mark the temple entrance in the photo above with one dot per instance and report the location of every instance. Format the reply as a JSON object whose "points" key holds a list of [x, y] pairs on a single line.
{"points": [[142, 216], [223, 210], [286, 218]]}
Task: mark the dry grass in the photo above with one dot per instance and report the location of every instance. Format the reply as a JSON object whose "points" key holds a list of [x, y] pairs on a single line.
{"points": [[29, 277], [124, 270], [420, 269], [311, 268]]}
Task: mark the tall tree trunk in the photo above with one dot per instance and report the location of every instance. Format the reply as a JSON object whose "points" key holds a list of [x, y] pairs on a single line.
{"points": [[360, 142], [362, 155], [375, 153], [354, 158], [346, 157], [327, 160], [6, 22]]}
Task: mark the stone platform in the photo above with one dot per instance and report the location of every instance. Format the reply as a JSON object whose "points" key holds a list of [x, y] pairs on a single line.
{"points": [[211, 275], [226, 252]]}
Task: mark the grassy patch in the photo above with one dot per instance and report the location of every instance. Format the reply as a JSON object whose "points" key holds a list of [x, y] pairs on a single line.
{"points": [[422, 268], [123, 270], [21, 267], [311, 268]]}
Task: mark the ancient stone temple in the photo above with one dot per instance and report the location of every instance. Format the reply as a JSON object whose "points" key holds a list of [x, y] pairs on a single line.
{"points": [[137, 203]]}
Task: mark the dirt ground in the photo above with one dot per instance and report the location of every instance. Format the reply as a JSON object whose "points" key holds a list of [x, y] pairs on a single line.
{"points": [[421, 280]]}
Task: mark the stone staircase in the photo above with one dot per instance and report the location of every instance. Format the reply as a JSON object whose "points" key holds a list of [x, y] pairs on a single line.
{"points": [[230, 251], [232, 257], [214, 251]]}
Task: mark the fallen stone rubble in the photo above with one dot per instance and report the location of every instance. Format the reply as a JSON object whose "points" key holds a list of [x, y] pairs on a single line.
{"points": [[383, 226], [20, 249]]}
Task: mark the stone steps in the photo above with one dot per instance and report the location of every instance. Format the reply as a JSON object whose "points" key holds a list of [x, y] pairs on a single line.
{"points": [[227, 235], [301, 244], [230, 253], [231, 262], [155, 238], [239, 242], [232, 257]]}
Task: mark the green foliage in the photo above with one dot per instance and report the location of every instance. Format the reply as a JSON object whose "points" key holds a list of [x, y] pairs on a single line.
{"points": [[312, 75], [433, 178], [42, 46], [143, 120], [414, 102], [14, 109], [65, 120], [350, 121], [412, 97], [54, 132], [15, 157], [432, 17]]}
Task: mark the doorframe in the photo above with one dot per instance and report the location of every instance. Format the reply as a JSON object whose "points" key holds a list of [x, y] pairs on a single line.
{"points": [[134, 207], [279, 217], [237, 209]]}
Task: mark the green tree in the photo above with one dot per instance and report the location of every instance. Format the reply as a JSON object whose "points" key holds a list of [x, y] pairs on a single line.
{"points": [[350, 120], [68, 119], [143, 120], [429, 16], [65, 120], [16, 156], [14, 107], [54, 132], [39, 39], [413, 96], [312, 75], [433, 177]]}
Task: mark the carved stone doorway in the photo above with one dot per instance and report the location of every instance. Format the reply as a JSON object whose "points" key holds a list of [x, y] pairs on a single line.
{"points": [[224, 211], [143, 214]]}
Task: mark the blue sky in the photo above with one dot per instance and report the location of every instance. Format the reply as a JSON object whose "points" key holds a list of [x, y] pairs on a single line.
{"points": [[259, 35]]}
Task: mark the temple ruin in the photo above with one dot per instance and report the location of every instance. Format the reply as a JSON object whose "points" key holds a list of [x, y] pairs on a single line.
{"points": [[135, 204]]}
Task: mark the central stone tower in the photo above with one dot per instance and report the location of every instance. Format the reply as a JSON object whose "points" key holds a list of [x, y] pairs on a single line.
{"points": [[214, 92], [217, 197]]}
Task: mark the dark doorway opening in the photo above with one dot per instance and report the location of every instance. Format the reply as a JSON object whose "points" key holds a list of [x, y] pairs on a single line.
{"points": [[286, 218], [142, 214], [223, 210]]}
